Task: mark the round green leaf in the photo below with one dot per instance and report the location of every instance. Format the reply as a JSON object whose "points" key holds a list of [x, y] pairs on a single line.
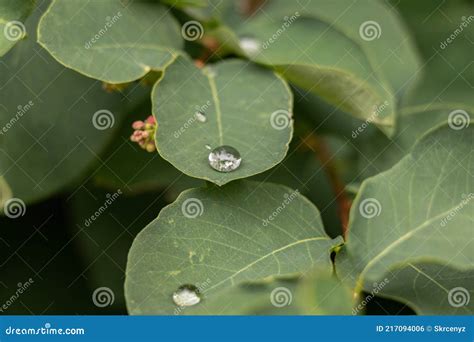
{"points": [[213, 238], [421, 210], [12, 16], [113, 41], [356, 56], [245, 106], [54, 123], [316, 293]]}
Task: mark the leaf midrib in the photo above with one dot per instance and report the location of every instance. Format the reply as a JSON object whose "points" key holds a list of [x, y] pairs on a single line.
{"points": [[294, 243], [403, 238], [217, 104], [427, 276]]}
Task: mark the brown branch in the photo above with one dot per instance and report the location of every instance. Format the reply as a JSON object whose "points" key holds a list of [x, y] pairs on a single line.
{"points": [[323, 153]]}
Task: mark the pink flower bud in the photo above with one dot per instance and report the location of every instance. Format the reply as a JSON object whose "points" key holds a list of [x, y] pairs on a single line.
{"points": [[151, 120], [138, 125]]}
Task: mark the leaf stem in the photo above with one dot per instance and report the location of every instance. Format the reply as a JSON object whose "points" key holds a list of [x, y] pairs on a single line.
{"points": [[323, 153]]}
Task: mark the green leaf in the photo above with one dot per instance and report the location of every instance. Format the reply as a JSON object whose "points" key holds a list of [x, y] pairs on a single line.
{"points": [[302, 170], [12, 16], [414, 122], [218, 237], [421, 210], [316, 293], [48, 134], [432, 288], [447, 69], [182, 4], [110, 40], [246, 107], [5, 192], [321, 46]]}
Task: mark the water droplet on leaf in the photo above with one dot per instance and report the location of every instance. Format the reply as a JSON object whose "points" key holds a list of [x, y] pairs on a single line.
{"points": [[250, 46], [200, 116], [224, 159], [187, 295]]}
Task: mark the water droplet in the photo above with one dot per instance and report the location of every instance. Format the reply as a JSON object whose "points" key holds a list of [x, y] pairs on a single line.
{"points": [[251, 46], [224, 159], [200, 116], [208, 147], [187, 295]]}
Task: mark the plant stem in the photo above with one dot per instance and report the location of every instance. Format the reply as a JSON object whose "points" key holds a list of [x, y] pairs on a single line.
{"points": [[323, 153]]}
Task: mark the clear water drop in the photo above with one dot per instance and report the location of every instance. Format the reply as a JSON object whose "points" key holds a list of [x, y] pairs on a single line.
{"points": [[250, 46], [224, 159], [200, 116], [187, 295]]}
